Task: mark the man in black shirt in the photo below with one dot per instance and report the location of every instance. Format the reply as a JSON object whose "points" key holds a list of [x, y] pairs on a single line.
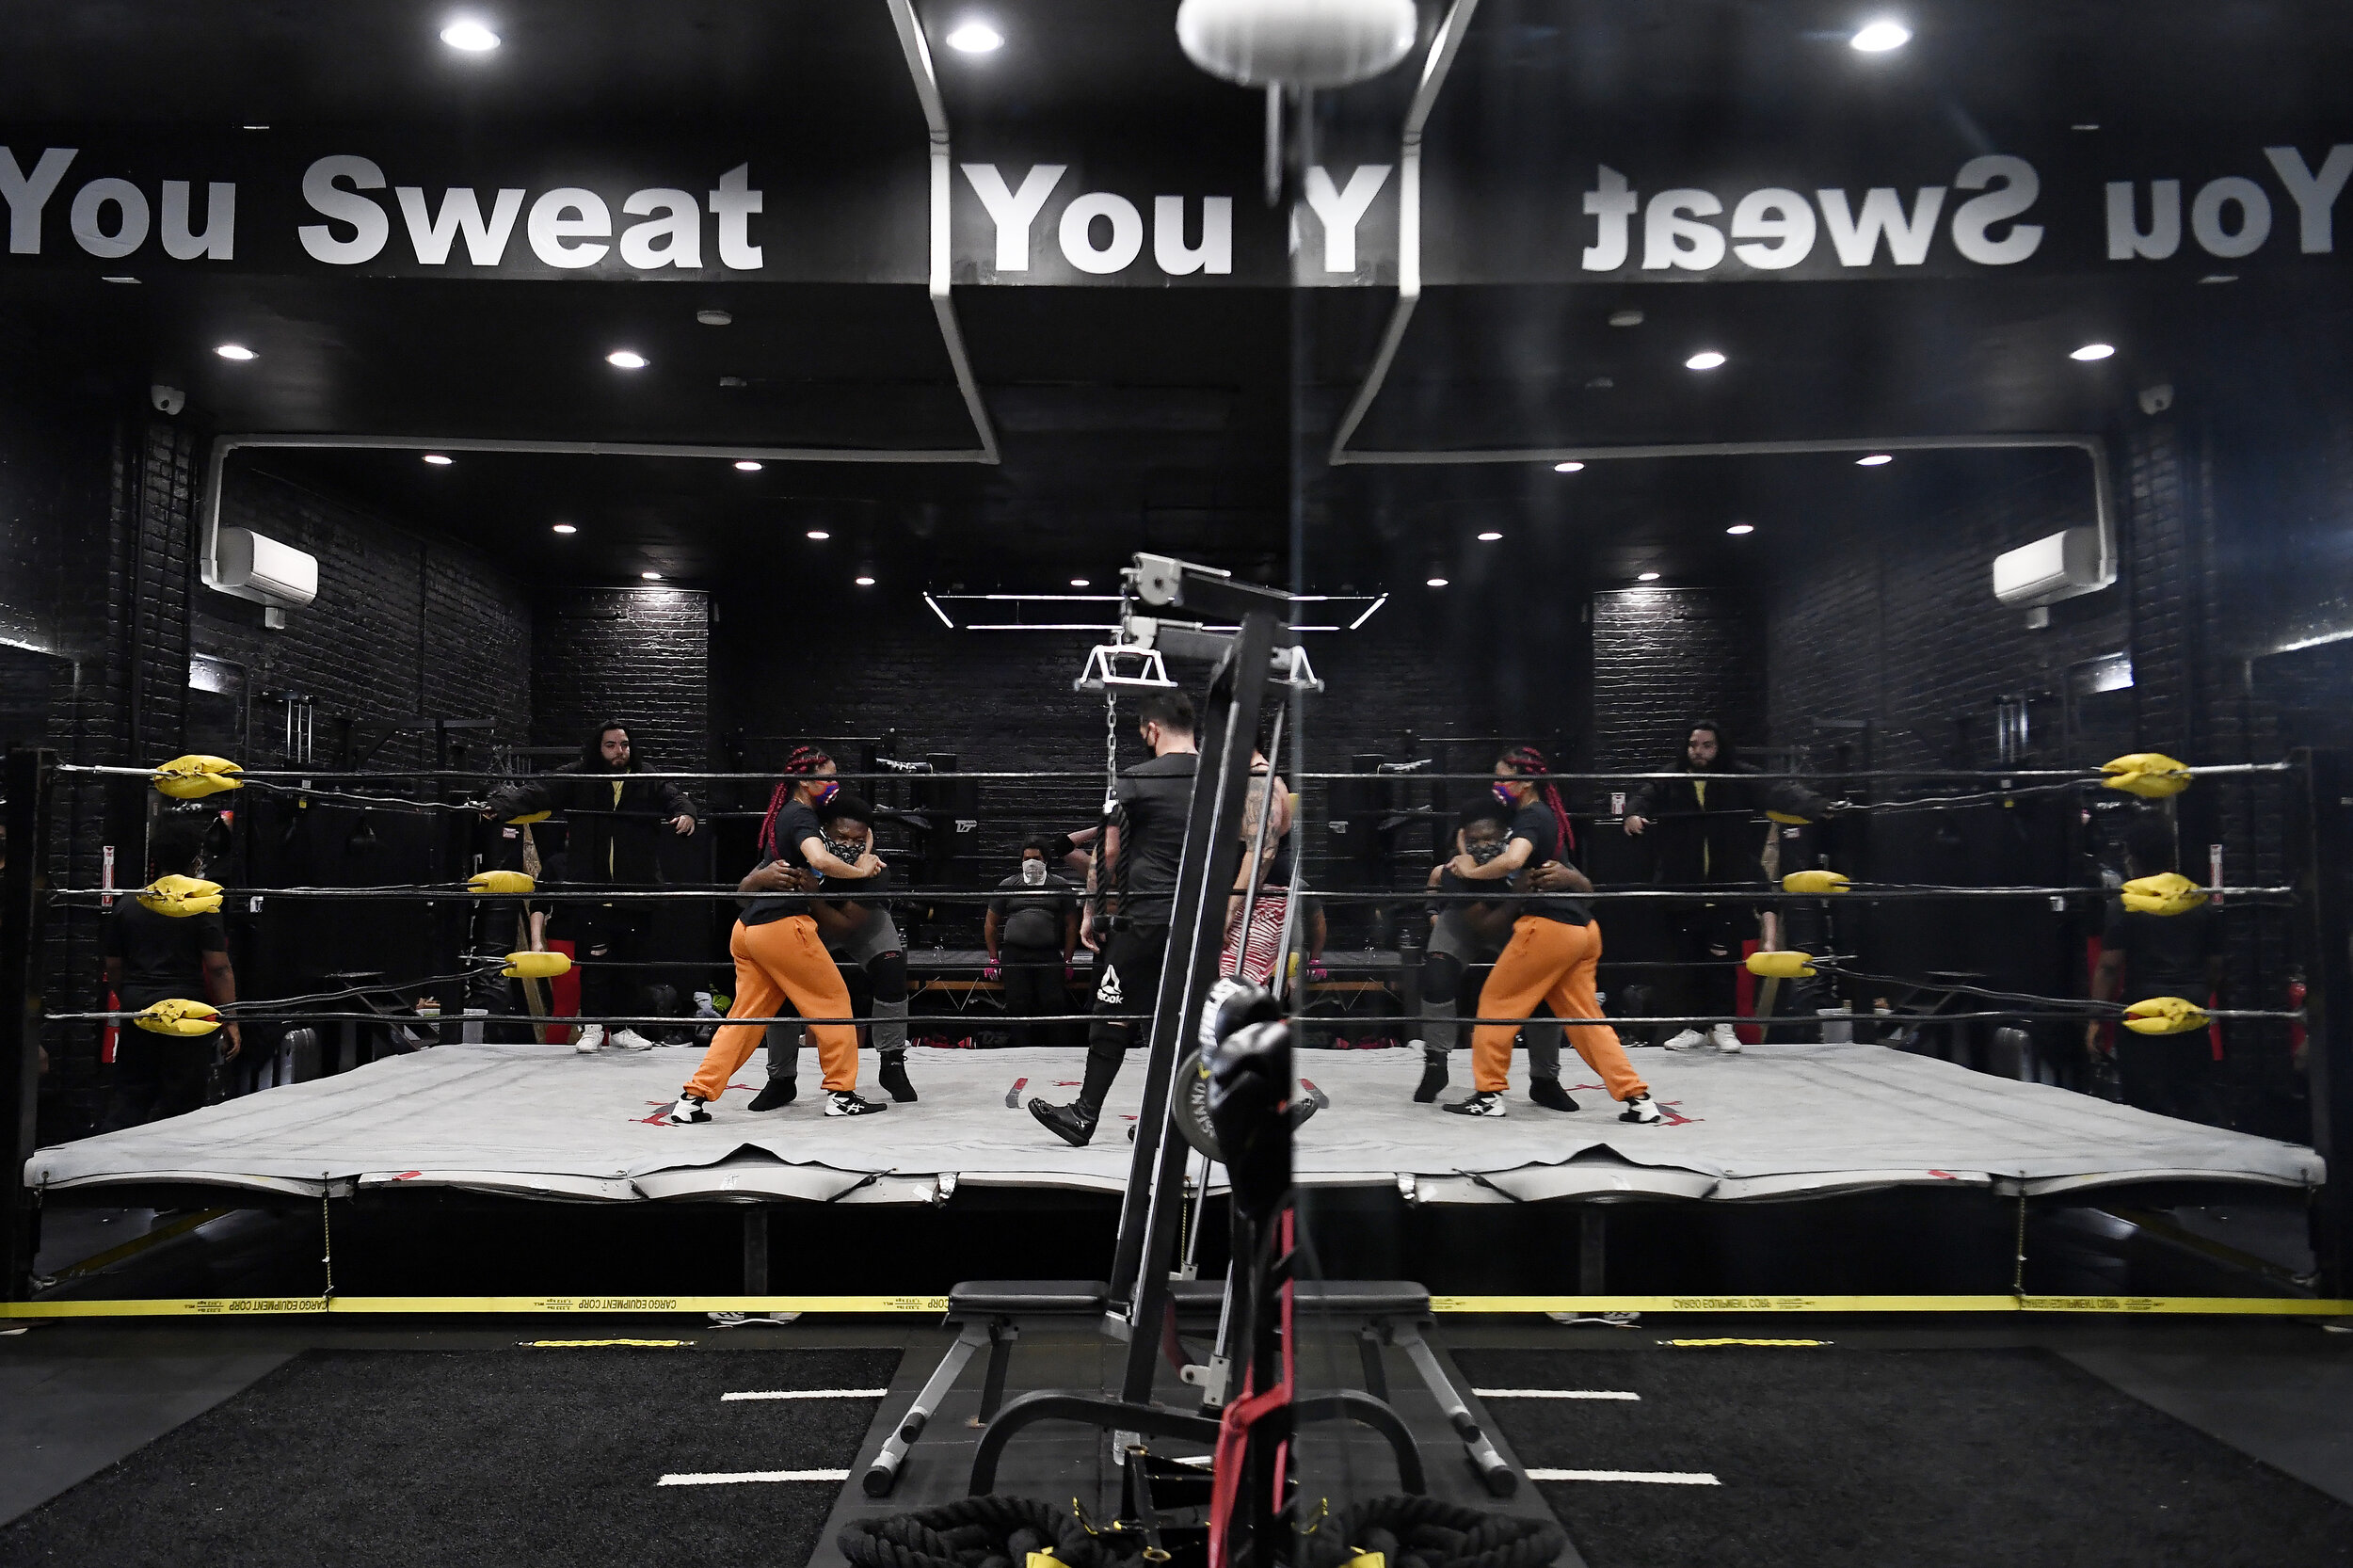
{"points": [[152, 958], [1031, 929], [2158, 955], [1136, 870], [611, 817]]}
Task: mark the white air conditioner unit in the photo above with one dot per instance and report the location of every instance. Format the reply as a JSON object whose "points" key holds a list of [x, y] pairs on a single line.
{"points": [[2057, 566], [251, 565]]}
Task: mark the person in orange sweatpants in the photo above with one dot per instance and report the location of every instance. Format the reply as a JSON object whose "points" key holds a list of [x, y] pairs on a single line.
{"points": [[778, 954], [1554, 948]]}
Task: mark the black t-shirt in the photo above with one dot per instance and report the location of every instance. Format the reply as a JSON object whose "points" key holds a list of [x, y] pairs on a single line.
{"points": [[1031, 917], [163, 956], [1536, 824], [2165, 955], [795, 825], [1154, 798]]}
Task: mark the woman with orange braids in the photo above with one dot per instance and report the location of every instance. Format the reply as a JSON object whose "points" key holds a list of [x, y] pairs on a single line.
{"points": [[778, 953], [1554, 948]]}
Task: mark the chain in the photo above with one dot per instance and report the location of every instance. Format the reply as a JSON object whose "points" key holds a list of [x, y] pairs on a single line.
{"points": [[1111, 748]]}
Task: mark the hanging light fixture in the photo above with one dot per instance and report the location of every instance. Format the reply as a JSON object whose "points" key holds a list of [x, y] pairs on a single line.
{"points": [[1296, 43]]}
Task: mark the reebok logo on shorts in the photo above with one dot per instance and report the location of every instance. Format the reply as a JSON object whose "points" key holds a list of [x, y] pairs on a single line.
{"points": [[1109, 991]]}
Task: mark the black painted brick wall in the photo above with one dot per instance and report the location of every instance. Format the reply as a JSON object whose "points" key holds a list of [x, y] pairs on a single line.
{"points": [[642, 655], [1664, 657]]}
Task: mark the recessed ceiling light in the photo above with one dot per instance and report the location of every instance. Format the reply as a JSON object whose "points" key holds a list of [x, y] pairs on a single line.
{"points": [[1489, 538], [470, 37], [714, 318], [438, 460], [1626, 318], [1438, 581], [1741, 528], [976, 38], [1646, 577], [746, 465], [2093, 351], [863, 582], [235, 351], [627, 359], [1877, 37], [566, 528], [1877, 460], [1078, 582], [1706, 358], [651, 576], [819, 534], [1568, 468]]}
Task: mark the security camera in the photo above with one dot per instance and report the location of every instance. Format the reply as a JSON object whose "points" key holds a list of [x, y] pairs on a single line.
{"points": [[168, 400], [2158, 399]]}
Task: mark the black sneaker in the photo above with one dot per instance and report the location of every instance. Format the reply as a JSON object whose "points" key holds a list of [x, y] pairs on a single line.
{"points": [[775, 1092], [1547, 1092], [1074, 1124], [690, 1108], [1486, 1103], [1642, 1108], [893, 1078], [844, 1102], [1432, 1076]]}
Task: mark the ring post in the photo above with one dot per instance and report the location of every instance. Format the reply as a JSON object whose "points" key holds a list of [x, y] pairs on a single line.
{"points": [[2324, 843], [28, 774]]}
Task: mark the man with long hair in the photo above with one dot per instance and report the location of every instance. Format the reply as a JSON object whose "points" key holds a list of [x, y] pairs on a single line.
{"points": [[612, 817], [1702, 833]]}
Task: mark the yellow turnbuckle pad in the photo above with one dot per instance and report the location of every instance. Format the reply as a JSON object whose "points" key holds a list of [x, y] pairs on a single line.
{"points": [[2165, 1015], [2167, 893], [179, 1015], [529, 817], [1781, 966], [1814, 882], [2150, 775], [500, 882], [179, 895], [536, 965], [194, 777]]}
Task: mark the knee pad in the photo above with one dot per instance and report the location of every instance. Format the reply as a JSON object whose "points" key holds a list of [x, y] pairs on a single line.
{"points": [[889, 973], [1441, 977]]}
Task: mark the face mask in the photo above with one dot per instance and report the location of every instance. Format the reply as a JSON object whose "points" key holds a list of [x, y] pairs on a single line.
{"points": [[826, 792], [1033, 872], [1503, 791], [844, 852], [1485, 852]]}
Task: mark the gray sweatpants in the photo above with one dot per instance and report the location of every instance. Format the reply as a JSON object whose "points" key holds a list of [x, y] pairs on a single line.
{"points": [[1453, 948], [878, 935]]}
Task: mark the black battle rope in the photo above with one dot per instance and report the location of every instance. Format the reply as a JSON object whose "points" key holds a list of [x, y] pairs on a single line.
{"points": [[1424, 1532], [968, 1532]]}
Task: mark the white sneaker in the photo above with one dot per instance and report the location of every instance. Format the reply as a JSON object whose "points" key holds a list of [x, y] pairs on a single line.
{"points": [[1642, 1108], [1689, 1039], [690, 1109], [589, 1038], [1727, 1037], [629, 1039]]}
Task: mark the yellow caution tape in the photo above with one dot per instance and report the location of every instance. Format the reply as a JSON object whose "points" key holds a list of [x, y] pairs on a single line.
{"points": [[194, 777], [1781, 966], [252, 1306], [177, 896], [179, 1016], [597, 1344], [2165, 1015], [2167, 893], [529, 817], [2150, 775], [1814, 882], [2293, 1306], [536, 965], [1768, 1344], [500, 882]]}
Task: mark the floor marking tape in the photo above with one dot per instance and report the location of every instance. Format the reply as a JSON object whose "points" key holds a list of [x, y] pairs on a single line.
{"points": [[2291, 1306], [1661, 1477], [253, 1306], [589, 1344], [812, 1394], [1554, 1394], [1768, 1344], [732, 1478]]}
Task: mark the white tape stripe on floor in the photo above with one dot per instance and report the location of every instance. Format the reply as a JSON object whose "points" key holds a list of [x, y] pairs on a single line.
{"points": [[1549, 1394], [810, 1394], [731, 1476], [1663, 1477]]}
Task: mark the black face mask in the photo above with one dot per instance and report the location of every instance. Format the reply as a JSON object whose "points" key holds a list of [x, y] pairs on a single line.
{"points": [[1483, 853], [844, 850]]}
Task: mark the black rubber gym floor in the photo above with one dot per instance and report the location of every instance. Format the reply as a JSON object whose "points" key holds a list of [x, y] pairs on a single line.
{"points": [[1831, 1458], [475, 1459]]}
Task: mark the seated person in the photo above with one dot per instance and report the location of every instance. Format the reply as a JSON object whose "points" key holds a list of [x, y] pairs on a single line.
{"points": [[856, 930], [1465, 932], [152, 958], [1031, 930]]}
